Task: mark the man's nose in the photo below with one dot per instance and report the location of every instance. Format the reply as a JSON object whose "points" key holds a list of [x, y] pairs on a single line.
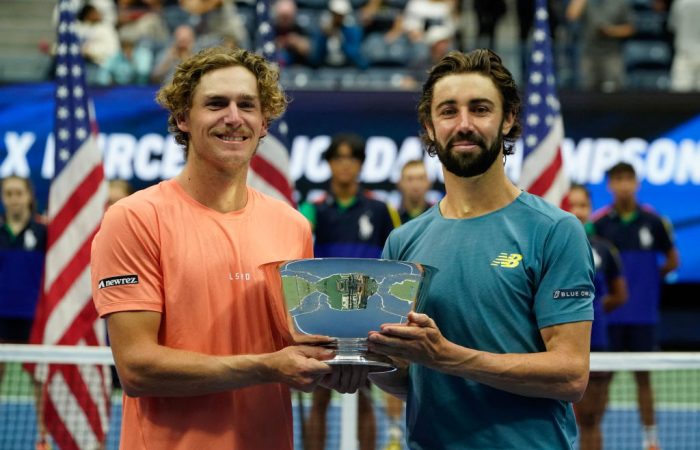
{"points": [[232, 115]]}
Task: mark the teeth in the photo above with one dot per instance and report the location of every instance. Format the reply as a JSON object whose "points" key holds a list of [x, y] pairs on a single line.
{"points": [[233, 138]]}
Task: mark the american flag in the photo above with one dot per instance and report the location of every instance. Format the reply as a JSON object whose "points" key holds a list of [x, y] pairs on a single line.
{"points": [[543, 128], [75, 398], [269, 168]]}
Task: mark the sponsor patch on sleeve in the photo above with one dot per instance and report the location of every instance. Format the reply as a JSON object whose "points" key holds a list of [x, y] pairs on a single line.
{"points": [[563, 294], [120, 280]]}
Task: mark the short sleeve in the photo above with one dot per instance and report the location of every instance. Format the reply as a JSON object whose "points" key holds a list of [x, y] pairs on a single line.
{"points": [[125, 261], [565, 290]]}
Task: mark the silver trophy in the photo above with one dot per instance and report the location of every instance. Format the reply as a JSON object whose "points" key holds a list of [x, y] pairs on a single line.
{"points": [[345, 298]]}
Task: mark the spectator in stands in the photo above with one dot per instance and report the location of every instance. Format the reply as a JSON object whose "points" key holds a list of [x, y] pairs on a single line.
{"points": [[293, 43], [99, 40], [107, 9], [683, 21], [368, 12], [610, 293], [192, 327], [347, 222], [438, 41], [337, 43], [641, 236], [214, 19], [132, 64], [181, 48], [419, 16], [526, 17], [142, 21], [605, 25], [488, 14]]}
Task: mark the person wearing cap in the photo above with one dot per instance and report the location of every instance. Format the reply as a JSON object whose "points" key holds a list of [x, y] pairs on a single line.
{"points": [[338, 42]]}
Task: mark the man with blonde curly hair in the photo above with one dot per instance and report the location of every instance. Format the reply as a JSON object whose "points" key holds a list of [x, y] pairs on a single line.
{"points": [[176, 273]]}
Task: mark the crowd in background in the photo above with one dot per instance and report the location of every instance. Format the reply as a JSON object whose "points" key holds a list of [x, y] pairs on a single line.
{"points": [[599, 45]]}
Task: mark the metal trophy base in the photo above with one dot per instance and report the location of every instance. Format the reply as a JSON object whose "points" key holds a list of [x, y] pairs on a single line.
{"points": [[353, 351]]}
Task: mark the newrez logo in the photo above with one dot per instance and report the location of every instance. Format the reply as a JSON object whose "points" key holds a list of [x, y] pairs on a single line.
{"points": [[572, 293], [118, 281]]}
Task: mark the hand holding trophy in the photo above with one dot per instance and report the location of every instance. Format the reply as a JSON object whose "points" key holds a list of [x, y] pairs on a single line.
{"points": [[344, 299]]}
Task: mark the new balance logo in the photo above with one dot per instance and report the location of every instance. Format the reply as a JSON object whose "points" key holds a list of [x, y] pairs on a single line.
{"points": [[118, 281], [508, 261]]}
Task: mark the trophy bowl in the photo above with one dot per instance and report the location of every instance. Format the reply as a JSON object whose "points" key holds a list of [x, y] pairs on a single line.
{"points": [[345, 298]]}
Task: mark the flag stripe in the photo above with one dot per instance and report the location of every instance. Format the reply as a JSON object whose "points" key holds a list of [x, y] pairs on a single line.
{"points": [[57, 427], [547, 152], [65, 247], [73, 270], [272, 177], [76, 406], [67, 294], [269, 168], [71, 415], [548, 175], [543, 171], [81, 197], [276, 153], [65, 184]]}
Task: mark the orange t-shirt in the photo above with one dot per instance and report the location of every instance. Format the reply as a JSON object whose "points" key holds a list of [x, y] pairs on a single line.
{"points": [[200, 269]]}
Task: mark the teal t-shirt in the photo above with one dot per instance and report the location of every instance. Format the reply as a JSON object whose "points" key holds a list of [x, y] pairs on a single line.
{"points": [[500, 278]]}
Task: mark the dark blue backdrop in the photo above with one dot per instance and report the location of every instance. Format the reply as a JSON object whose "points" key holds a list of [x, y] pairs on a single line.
{"points": [[26, 113]]}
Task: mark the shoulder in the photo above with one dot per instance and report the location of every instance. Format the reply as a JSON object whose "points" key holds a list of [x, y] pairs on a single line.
{"points": [[369, 199], [602, 214], [648, 213], [274, 209], [35, 224], [540, 210], [143, 206]]}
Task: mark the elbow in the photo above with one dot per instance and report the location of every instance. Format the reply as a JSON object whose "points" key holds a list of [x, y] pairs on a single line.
{"points": [[576, 383], [132, 385], [577, 388], [134, 379]]}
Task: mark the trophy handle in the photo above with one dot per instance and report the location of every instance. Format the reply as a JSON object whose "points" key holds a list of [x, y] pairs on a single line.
{"points": [[282, 321]]}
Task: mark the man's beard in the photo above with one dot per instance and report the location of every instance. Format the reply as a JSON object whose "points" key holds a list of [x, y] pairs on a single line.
{"points": [[469, 165]]}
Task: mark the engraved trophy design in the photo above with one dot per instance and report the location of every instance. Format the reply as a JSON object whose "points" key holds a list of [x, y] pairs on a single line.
{"points": [[345, 298]]}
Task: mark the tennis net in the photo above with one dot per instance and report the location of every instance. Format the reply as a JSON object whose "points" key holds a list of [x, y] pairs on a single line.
{"points": [[675, 379]]}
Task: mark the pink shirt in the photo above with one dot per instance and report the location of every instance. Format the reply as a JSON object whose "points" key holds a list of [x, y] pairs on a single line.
{"points": [[200, 269]]}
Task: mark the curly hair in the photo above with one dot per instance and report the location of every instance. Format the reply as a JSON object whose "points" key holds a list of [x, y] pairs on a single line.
{"points": [[482, 61], [176, 96]]}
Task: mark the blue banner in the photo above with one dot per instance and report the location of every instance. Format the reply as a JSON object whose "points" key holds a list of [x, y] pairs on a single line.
{"points": [[658, 132]]}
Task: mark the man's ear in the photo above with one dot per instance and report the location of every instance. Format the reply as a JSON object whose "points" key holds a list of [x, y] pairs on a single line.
{"points": [[429, 130], [182, 123], [264, 128], [508, 122]]}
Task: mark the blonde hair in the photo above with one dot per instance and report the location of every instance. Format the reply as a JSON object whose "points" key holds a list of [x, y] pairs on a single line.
{"points": [[176, 96]]}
